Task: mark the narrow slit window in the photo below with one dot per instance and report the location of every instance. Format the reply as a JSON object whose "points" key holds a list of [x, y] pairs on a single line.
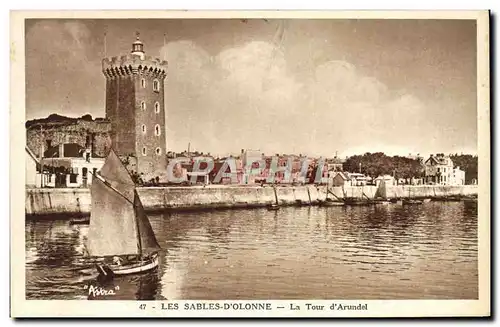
{"points": [[157, 130], [156, 85]]}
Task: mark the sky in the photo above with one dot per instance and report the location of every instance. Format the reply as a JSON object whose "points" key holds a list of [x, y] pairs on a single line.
{"points": [[315, 87]]}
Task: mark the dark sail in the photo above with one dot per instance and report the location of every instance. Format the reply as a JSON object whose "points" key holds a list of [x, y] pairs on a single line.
{"points": [[112, 229], [118, 222], [147, 236], [115, 173]]}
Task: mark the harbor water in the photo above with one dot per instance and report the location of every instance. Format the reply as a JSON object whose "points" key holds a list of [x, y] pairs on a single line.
{"points": [[390, 251]]}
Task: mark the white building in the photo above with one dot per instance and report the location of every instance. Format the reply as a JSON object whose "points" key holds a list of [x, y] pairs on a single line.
{"points": [[387, 179], [357, 179], [70, 165], [32, 174], [457, 177], [439, 170]]}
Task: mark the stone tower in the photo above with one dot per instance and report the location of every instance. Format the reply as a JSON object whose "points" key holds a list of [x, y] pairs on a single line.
{"points": [[135, 106]]}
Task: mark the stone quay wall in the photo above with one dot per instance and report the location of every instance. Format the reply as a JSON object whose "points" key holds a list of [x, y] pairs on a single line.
{"points": [[65, 201]]}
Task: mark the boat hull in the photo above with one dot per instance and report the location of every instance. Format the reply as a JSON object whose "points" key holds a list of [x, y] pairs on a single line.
{"points": [[128, 269], [382, 202], [331, 204], [79, 221], [359, 203], [408, 202]]}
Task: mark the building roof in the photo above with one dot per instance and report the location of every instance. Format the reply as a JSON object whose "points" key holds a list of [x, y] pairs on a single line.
{"points": [[439, 160], [341, 174], [356, 175], [385, 177]]}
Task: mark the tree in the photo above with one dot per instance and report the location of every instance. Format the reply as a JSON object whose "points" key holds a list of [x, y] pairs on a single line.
{"points": [[86, 117], [467, 163], [376, 164]]}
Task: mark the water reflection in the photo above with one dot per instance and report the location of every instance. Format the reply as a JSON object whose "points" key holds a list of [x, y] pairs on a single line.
{"points": [[382, 252]]}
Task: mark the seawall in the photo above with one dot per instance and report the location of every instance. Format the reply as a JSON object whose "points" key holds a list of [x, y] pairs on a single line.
{"points": [[77, 201]]}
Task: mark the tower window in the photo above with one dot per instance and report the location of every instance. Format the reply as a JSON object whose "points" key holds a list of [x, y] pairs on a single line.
{"points": [[156, 85], [144, 151], [143, 83], [143, 129], [157, 130], [157, 107], [143, 105], [158, 151]]}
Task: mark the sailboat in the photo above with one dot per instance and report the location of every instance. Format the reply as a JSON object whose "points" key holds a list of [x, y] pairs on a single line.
{"points": [[328, 202], [410, 200], [355, 201], [274, 206], [119, 229]]}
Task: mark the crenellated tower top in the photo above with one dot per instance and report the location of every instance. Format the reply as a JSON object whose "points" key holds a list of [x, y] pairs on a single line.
{"points": [[134, 63]]}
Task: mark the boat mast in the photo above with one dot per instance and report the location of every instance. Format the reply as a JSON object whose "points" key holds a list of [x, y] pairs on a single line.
{"points": [[275, 194]]}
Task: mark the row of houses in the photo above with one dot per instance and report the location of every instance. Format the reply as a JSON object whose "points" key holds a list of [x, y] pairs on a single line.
{"points": [[439, 170], [358, 179], [71, 165]]}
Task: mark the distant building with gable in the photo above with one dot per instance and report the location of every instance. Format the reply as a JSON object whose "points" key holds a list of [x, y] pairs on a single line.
{"points": [[439, 170]]}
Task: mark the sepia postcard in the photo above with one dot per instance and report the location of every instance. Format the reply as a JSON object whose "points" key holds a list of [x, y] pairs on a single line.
{"points": [[250, 164]]}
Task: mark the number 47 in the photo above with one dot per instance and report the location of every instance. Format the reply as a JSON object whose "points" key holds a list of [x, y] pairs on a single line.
{"points": [[142, 306]]}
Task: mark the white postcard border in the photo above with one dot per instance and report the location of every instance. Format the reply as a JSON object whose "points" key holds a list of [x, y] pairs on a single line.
{"points": [[20, 307]]}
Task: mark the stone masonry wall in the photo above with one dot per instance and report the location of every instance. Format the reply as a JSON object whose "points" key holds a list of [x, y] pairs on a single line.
{"points": [[78, 201], [59, 133]]}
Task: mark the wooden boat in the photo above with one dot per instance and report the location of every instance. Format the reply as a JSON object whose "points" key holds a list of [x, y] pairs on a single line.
{"points": [[470, 200], [80, 221], [412, 201], [409, 200], [452, 198], [357, 201], [274, 206], [381, 201], [119, 230], [331, 203]]}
